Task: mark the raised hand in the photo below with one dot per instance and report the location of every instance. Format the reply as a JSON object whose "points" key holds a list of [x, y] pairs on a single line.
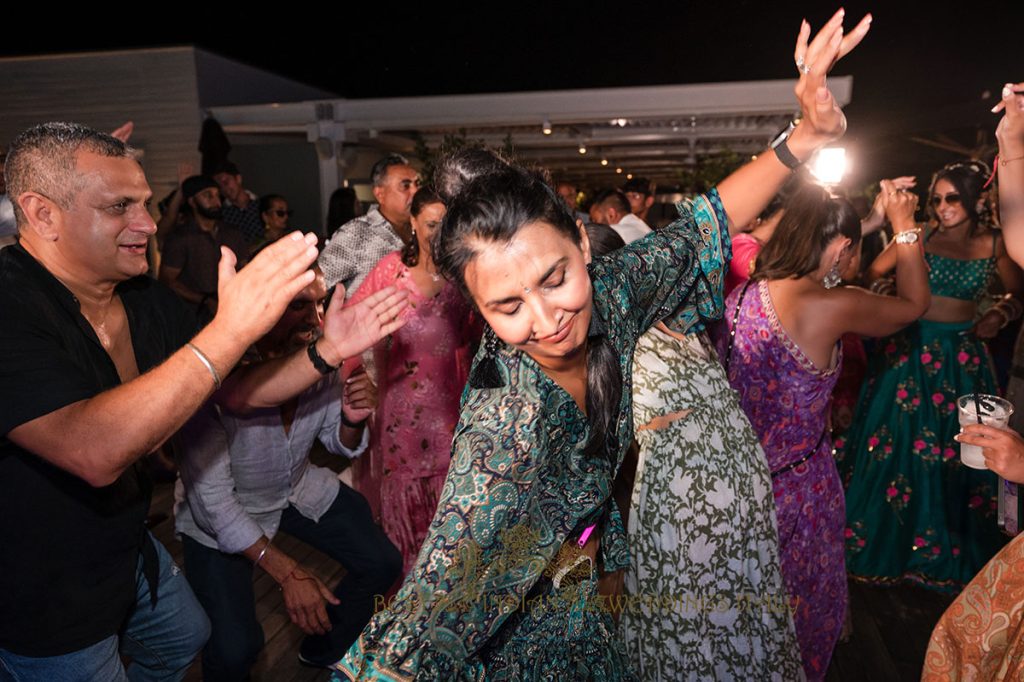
{"points": [[899, 204], [822, 119], [1010, 131], [252, 300], [349, 330]]}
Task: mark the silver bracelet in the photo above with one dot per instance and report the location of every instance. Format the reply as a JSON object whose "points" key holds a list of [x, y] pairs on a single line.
{"points": [[262, 553], [206, 361]]}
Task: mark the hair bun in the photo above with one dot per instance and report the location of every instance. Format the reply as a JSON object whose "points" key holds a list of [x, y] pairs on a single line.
{"points": [[458, 169]]}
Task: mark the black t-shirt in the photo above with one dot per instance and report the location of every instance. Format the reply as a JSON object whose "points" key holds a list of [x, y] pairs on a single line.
{"points": [[68, 551]]}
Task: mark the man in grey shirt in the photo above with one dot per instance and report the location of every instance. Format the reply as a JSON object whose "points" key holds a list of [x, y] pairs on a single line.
{"points": [[357, 246], [246, 476]]}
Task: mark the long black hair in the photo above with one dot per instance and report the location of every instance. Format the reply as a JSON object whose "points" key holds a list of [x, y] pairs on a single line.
{"points": [[489, 200], [968, 179], [424, 197]]}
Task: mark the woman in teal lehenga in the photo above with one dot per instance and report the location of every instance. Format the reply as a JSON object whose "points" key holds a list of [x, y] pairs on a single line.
{"points": [[913, 511]]}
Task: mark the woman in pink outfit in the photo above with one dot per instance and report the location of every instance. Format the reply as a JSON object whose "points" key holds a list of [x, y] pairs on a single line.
{"points": [[420, 372]]}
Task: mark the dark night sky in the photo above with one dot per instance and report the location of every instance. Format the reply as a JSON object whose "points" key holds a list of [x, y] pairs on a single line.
{"points": [[923, 68]]}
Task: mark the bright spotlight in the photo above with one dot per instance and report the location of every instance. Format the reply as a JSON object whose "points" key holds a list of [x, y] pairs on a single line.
{"points": [[829, 165]]}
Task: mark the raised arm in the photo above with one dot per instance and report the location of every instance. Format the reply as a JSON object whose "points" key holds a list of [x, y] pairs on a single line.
{"points": [[748, 190], [137, 416], [348, 331], [1010, 134], [861, 312]]}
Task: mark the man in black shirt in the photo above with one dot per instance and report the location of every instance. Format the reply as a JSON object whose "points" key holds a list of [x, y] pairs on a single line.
{"points": [[95, 374]]}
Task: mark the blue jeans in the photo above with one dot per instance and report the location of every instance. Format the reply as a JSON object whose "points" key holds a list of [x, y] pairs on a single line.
{"points": [[161, 641], [223, 584]]}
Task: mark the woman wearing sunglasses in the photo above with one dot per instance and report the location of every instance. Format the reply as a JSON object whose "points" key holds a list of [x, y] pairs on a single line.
{"points": [[913, 511], [275, 213]]}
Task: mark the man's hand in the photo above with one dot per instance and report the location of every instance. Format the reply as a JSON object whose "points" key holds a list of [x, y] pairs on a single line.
{"points": [[349, 330], [252, 300], [360, 398], [1003, 449], [304, 598]]}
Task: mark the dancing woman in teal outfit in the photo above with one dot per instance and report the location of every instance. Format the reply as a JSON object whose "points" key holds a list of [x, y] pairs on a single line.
{"points": [[913, 511], [504, 587]]}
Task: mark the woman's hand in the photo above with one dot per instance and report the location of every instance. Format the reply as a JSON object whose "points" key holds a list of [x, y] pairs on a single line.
{"points": [[899, 204], [822, 120], [360, 398], [1010, 131], [1003, 449], [874, 220]]}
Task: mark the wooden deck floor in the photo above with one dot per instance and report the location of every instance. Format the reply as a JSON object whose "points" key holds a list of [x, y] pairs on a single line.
{"points": [[891, 625]]}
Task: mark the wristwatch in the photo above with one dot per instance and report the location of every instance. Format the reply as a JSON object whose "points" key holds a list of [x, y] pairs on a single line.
{"points": [[907, 236], [318, 362], [782, 150]]}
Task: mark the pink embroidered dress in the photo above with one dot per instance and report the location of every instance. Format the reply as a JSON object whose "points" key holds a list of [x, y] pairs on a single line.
{"points": [[420, 371]]}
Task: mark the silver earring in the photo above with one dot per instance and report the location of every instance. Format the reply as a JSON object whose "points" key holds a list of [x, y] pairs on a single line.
{"points": [[832, 277]]}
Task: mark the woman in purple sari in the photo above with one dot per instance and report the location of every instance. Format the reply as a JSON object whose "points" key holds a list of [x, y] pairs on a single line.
{"points": [[782, 354]]}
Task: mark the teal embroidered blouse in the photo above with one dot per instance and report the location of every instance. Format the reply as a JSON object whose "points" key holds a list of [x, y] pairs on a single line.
{"points": [[519, 486]]}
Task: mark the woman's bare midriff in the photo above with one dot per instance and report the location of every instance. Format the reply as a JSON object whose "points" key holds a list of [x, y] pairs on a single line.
{"points": [[945, 309]]}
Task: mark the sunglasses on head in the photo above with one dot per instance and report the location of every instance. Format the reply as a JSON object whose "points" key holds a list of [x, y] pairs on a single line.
{"points": [[950, 199], [280, 213]]}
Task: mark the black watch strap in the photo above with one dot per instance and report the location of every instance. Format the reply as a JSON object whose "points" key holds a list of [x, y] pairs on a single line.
{"points": [[786, 156], [318, 362]]}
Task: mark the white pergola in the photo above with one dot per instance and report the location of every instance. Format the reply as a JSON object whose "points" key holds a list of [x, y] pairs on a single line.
{"points": [[647, 131]]}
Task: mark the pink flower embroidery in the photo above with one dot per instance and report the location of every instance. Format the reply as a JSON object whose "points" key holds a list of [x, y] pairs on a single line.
{"points": [[916, 401], [919, 445], [956, 551], [962, 357], [901, 393], [937, 398], [975, 502], [891, 492], [903, 358], [860, 542], [936, 449], [873, 442], [906, 497], [848, 533], [926, 358], [949, 453], [890, 348], [976, 360], [887, 449], [919, 541], [950, 407], [936, 550], [937, 365]]}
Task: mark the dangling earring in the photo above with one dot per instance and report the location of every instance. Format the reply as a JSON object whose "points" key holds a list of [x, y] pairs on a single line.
{"points": [[832, 277], [485, 372]]}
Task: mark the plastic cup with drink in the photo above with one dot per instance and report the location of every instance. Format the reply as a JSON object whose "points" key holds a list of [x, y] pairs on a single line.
{"points": [[993, 411]]}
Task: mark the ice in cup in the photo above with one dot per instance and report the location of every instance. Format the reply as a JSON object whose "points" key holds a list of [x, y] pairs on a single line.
{"points": [[994, 412]]}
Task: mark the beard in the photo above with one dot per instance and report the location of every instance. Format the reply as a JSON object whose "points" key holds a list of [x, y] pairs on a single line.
{"points": [[211, 213]]}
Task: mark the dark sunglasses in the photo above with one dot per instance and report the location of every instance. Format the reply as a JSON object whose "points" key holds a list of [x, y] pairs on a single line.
{"points": [[951, 199], [281, 214]]}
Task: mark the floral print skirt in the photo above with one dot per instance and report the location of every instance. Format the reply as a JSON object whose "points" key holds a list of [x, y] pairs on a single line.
{"points": [[913, 511], [705, 598]]}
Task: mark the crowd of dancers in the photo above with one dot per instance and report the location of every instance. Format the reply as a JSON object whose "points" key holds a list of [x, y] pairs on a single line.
{"points": [[580, 448]]}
